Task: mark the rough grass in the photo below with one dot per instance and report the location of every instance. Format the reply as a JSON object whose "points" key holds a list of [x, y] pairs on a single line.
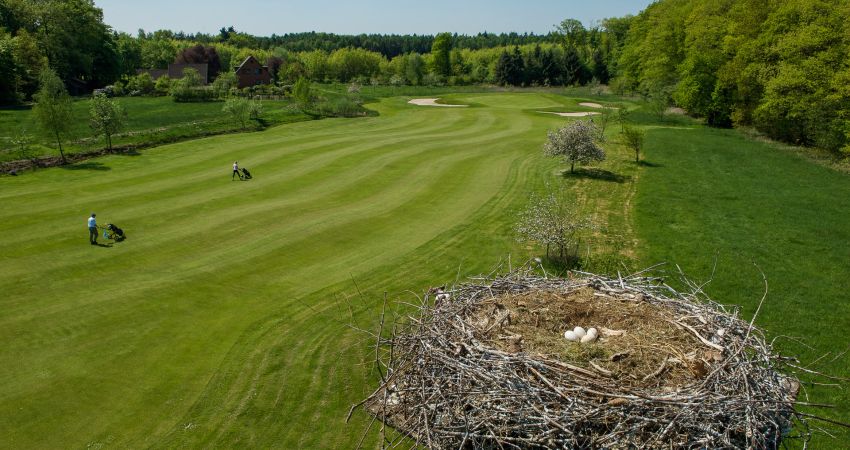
{"points": [[712, 197]]}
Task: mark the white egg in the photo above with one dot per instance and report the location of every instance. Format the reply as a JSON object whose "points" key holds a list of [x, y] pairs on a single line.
{"points": [[579, 331], [588, 338], [570, 336], [592, 332]]}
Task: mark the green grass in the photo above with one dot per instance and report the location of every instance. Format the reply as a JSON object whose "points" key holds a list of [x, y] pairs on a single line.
{"points": [[712, 195], [222, 320], [150, 121]]}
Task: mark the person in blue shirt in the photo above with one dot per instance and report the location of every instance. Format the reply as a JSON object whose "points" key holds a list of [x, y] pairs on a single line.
{"points": [[92, 229]]}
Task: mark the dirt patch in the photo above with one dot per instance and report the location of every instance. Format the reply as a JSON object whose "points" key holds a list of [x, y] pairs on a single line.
{"points": [[572, 114], [432, 102], [639, 345]]}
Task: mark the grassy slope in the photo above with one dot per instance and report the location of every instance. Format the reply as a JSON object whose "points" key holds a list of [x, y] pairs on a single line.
{"points": [[219, 320], [716, 194], [160, 116]]}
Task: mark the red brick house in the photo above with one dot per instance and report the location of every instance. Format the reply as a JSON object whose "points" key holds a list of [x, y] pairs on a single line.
{"points": [[252, 73]]}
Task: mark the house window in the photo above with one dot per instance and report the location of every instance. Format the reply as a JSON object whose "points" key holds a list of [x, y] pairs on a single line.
{"points": [[258, 71]]}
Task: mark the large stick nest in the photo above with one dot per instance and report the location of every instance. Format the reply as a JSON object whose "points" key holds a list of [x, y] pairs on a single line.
{"points": [[488, 367]]}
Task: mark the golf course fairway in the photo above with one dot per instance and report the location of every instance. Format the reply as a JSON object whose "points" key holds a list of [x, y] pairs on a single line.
{"points": [[221, 320], [224, 320]]}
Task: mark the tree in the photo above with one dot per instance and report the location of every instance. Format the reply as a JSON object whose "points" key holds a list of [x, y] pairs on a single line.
{"points": [[76, 41], [658, 102], [441, 52], [106, 117], [576, 142], [510, 68], [9, 71], [188, 88], [600, 67], [224, 82], [414, 68], [574, 32], [606, 114], [53, 107], [634, 138], [574, 69], [274, 63], [242, 110], [503, 68], [553, 221], [302, 94], [157, 52], [22, 140], [622, 116], [199, 54], [129, 52]]}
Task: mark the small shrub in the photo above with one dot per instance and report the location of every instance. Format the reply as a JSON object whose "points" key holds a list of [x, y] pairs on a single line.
{"points": [[143, 83], [339, 107], [22, 141], [242, 110], [162, 86]]}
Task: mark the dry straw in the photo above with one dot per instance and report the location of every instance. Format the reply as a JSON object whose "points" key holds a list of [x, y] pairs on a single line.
{"points": [[457, 373]]}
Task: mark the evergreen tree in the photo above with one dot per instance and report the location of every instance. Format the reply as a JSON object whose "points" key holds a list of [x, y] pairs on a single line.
{"points": [[573, 66]]}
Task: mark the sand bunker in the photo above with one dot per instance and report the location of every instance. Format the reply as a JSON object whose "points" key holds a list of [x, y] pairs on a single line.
{"points": [[432, 102], [571, 114], [591, 105]]}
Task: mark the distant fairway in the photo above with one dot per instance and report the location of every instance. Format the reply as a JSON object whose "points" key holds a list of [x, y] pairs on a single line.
{"points": [[217, 320]]}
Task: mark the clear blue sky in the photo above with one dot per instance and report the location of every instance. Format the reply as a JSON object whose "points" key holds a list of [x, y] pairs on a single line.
{"points": [[265, 17]]}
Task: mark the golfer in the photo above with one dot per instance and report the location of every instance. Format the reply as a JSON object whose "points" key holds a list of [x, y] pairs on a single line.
{"points": [[92, 229], [235, 171]]}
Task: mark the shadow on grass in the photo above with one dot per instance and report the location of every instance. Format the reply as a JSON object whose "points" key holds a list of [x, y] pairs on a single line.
{"points": [[88, 165], [128, 152], [650, 164], [596, 174]]}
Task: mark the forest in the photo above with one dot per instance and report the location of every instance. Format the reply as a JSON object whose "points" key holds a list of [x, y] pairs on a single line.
{"points": [[781, 67]]}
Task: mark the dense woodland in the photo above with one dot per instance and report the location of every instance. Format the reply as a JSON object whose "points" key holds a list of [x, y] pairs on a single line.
{"points": [[781, 66]]}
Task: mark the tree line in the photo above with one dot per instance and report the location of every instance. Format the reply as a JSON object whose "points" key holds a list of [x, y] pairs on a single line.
{"points": [[780, 66], [389, 45]]}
